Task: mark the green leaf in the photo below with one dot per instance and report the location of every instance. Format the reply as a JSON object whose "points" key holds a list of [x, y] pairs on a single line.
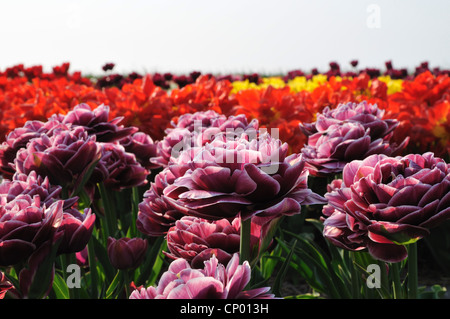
{"points": [[276, 288], [153, 263], [269, 261], [60, 287], [102, 256], [112, 290]]}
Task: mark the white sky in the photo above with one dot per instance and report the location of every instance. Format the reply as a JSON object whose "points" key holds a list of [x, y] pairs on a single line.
{"points": [[223, 36]]}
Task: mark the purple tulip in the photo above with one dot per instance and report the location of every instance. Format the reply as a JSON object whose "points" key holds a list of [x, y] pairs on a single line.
{"points": [[119, 169], [25, 225], [386, 202], [349, 132], [96, 122], [196, 240], [197, 129], [245, 176], [143, 147], [76, 227], [19, 137], [63, 157], [155, 215], [77, 230], [126, 253], [31, 185], [180, 137], [214, 281]]}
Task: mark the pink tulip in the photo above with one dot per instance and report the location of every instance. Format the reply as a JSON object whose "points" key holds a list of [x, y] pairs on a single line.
{"points": [[386, 202], [214, 281]]}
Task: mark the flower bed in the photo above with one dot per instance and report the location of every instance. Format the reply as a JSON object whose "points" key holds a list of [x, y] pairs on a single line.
{"points": [[185, 186]]}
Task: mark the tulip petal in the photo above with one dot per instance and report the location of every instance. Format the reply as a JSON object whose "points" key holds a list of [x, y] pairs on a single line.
{"points": [[15, 250], [390, 253], [198, 288]]}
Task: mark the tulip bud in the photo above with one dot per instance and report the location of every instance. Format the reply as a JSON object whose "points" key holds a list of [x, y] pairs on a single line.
{"points": [[126, 253]]}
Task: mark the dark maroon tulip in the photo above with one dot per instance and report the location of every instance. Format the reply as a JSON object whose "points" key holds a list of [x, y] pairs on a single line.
{"points": [[349, 132], [213, 281], [242, 176], [36, 279], [108, 66], [63, 157], [77, 229], [197, 129], [126, 253], [143, 147], [19, 137], [25, 225], [96, 122], [32, 185], [155, 215], [385, 203], [121, 168], [167, 148], [196, 240]]}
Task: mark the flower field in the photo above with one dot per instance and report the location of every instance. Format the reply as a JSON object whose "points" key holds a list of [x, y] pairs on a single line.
{"points": [[332, 184]]}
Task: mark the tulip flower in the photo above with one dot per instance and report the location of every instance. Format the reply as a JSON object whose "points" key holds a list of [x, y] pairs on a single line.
{"points": [[155, 215], [250, 177], [65, 157], [385, 203], [214, 281], [25, 225], [19, 137], [197, 129], [96, 122], [126, 253], [142, 146], [119, 168], [349, 132], [77, 229]]}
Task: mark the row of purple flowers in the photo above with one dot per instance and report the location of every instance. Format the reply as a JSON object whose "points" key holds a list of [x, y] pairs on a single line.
{"points": [[217, 188]]}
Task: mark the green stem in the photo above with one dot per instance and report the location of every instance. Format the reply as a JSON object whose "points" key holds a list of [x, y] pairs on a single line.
{"points": [[126, 281], [355, 277], [413, 276], [384, 279], [398, 293], [134, 211], [110, 215], [93, 269], [244, 248]]}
